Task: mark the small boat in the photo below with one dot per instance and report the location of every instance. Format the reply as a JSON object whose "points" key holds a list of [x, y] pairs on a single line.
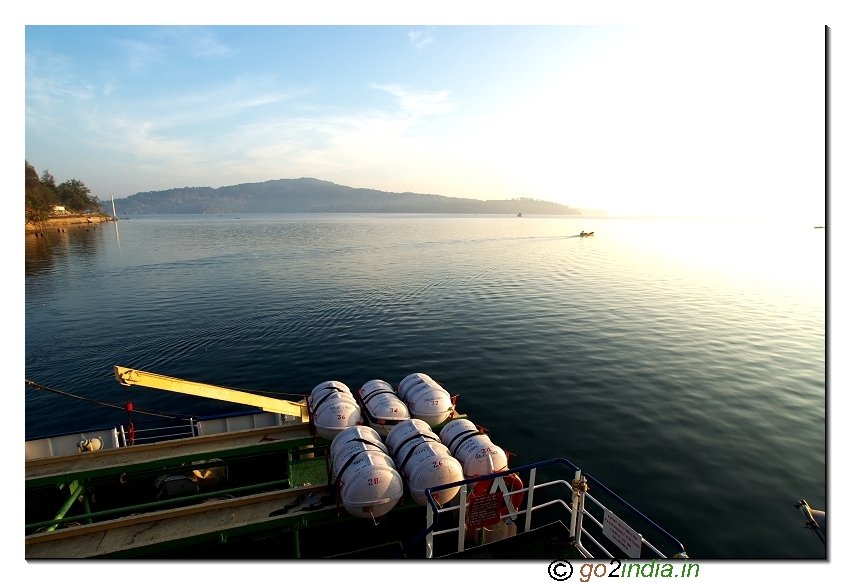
{"points": [[279, 481], [519, 214], [583, 234]]}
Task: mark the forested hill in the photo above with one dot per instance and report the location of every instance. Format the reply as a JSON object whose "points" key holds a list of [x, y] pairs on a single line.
{"points": [[309, 195]]}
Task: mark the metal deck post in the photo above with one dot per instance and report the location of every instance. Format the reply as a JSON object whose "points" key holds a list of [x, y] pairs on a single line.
{"points": [[429, 539], [574, 516], [579, 490], [461, 526], [296, 543], [75, 489], [532, 476]]}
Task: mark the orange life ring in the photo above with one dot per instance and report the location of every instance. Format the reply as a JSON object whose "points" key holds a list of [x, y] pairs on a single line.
{"points": [[512, 481]]}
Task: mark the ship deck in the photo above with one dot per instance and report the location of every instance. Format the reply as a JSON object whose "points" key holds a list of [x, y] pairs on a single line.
{"points": [[88, 465], [127, 521], [168, 530]]}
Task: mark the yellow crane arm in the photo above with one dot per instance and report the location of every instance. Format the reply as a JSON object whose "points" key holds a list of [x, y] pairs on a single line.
{"points": [[131, 376]]}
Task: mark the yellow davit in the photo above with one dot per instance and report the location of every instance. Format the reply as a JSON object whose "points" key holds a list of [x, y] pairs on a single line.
{"points": [[131, 376]]}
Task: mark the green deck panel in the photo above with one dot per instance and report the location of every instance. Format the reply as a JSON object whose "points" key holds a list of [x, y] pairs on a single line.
{"points": [[151, 506], [167, 462], [298, 472], [309, 472]]}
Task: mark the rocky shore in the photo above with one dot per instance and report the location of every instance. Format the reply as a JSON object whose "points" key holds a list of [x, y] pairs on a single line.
{"points": [[76, 220]]}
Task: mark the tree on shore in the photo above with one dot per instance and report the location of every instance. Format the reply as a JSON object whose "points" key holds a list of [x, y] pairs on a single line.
{"points": [[42, 194], [48, 180], [39, 198], [76, 196]]}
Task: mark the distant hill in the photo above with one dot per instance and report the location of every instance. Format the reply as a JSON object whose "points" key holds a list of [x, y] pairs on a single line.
{"points": [[309, 195]]}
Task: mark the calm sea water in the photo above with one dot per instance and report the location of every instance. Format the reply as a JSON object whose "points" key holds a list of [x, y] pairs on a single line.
{"points": [[680, 362]]}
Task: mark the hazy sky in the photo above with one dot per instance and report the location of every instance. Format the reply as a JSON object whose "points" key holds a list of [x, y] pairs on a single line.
{"points": [[690, 120]]}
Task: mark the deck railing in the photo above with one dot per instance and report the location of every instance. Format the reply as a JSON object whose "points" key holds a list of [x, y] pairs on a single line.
{"points": [[158, 430], [617, 536], [154, 431]]}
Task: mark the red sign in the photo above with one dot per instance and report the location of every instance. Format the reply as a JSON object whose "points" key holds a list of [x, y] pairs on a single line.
{"points": [[483, 510]]}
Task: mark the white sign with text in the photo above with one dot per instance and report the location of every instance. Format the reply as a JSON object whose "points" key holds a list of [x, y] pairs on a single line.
{"points": [[622, 534]]}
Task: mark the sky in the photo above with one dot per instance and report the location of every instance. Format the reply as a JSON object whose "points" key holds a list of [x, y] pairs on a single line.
{"points": [[633, 119]]}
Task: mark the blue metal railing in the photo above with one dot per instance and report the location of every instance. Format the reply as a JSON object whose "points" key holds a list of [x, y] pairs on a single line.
{"points": [[637, 512], [533, 468]]}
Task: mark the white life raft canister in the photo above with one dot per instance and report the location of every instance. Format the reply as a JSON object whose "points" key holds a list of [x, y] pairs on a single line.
{"points": [[480, 456], [455, 432], [473, 449], [404, 430], [432, 472], [333, 408], [424, 462], [370, 486], [330, 385], [348, 459], [428, 401], [361, 433], [408, 455], [382, 407], [411, 380]]}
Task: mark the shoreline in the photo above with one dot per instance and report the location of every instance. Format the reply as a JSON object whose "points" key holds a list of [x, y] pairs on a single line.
{"points": [[77, 220]]}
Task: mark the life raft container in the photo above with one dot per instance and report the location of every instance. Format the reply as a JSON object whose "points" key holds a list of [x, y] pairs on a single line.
{"points": [[368, 484], [362, 433], [428, 401], [411, 380], [418, 449], [375, 386], [455, 432], [332, 408], [330, 385], [381, 406], [479, 456], [347, 459], [424, 462], [433, 471], [404, 430]]}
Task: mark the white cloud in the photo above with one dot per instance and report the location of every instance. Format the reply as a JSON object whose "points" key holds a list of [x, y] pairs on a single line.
{"points": [[420, 39], [206, 45], [137, 139], [50, 89], [223, 102], [139, 55], [419, 103]]}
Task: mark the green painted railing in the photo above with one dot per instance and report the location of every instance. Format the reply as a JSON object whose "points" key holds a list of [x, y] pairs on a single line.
{"points": [[151, 505]]}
